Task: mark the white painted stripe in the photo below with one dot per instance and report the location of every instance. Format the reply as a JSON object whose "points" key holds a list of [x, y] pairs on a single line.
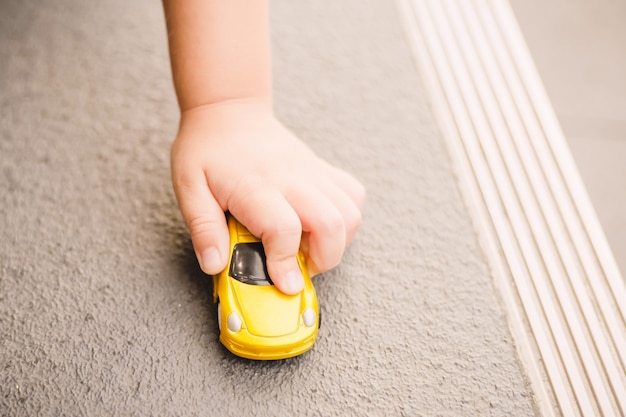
{"points": [[551, 261]]}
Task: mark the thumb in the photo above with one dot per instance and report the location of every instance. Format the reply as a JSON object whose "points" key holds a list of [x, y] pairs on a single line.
{"points": [[206, 222]]}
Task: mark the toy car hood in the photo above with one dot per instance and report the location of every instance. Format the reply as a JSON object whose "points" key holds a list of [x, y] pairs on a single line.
{"points": [[266, 310]]}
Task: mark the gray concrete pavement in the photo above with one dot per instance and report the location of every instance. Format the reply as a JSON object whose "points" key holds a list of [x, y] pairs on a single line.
{"points": [[103, 310]]}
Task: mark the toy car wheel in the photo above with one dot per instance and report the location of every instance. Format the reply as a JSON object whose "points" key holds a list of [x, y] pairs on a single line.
{"points": [[219, 317], [319, 319]]}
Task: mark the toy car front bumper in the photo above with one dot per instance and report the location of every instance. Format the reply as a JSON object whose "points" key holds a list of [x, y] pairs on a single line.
{"points": [[257, 348]]}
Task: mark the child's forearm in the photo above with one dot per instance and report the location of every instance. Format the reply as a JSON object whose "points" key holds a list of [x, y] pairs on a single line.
{"points": [[219, 50], [239, 158]]}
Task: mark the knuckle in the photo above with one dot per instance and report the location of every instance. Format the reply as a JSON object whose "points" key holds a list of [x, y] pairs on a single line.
{"points": [[353, 222], [288, 231], [330, 224], [360, 194], [281, 241], [247, 184], [183, 181], [202, 225]]}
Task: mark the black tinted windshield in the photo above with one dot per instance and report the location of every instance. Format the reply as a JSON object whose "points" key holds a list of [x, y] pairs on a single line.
{"points": [[248, 264]]}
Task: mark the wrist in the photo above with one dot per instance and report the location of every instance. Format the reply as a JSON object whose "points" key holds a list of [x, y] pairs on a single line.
{"points": [[216, 119], [229, 107]]}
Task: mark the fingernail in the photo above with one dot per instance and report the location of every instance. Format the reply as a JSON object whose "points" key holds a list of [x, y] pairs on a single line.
{"points": [[210, 260], [293, 282]]}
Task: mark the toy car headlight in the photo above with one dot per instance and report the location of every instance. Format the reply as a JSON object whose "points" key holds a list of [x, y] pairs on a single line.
{"points": [[309, 317], [234, 322]]}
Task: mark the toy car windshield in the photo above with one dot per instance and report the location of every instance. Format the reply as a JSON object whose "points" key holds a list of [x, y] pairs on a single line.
{"points": [[248, 264]]}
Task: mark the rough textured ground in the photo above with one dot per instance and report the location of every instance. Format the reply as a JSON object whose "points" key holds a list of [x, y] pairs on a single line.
{"points": [[103, 310]]}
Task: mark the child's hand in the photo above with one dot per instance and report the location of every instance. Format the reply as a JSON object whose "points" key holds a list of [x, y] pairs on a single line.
{"points": [[235, 156]]}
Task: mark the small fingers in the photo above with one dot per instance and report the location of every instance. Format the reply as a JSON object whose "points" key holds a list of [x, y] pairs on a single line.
{"points": [[205, 220], [325, 229], [276, 223], [322, 220], [349, 208], [349, 184]]}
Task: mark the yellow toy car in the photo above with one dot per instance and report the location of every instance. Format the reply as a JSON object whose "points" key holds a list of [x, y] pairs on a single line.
{"points": [[255, 319]]}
